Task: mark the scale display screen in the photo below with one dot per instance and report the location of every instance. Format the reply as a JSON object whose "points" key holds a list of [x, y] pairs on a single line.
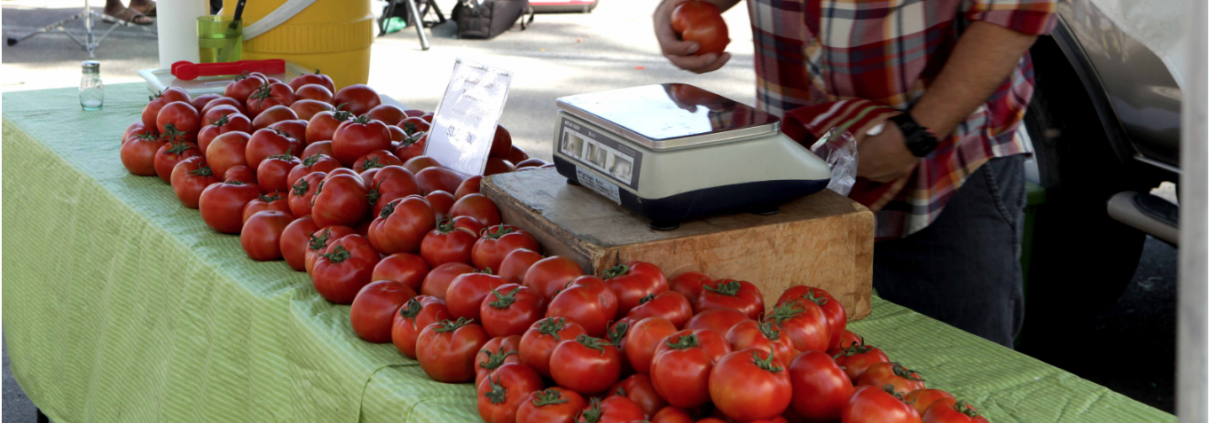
{"points": [[668, 111]]}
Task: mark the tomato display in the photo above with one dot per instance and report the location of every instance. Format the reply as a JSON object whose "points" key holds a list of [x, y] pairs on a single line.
{"points": [[319, 243], [189, 178], [750, 385], [201, 101], [266, 143], [672, 414], [138, 155], [269, 95], [407, 269], [294, 241], [681, 368], [274, 201], [357, 138], [585, 364], [313, 92], [344, 268], [446, 350], [243, 87], [391, 183], [241, 173], [322, 125], [222, 205], [832, 309], [502, 143], [689, 284], [438, 281], [633, 281], [316, 78], [510, 309], [847, 339], [388, 114], [411, 146], [643, 338], [402, 225], [273, 115], [921, 399], [302, 193], [496, 352], [638, 388], [170, 154], [516, 264], [880, 375], [180, 119], [479, 207], [613, 409], [376, 159], [872, 404], [541, 339], [730, 293], [467, 291], [447, 244], [374, 308], [273, 172], [496, 242], [719, 320], [358, 99], [552, 405], [805, 323], [312, 163], [496, 165], [217, 103], [670, 305], [702, 23], [227, 151], [952, 412], [261, 234], [821, 387], [501, 394], [858, 357], [339, 200], [587, 301], [549, 275], [763, 336], [415, 315]]}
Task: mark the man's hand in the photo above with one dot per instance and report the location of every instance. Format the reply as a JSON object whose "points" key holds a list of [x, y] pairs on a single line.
{"points": [[885, 157], [680, 53]]}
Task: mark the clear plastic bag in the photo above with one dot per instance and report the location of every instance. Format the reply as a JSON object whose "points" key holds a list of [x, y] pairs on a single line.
{"points": [[839, 150]]}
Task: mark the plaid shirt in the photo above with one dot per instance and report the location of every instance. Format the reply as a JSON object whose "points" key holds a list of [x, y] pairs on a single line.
{"points": [[823, 52]]}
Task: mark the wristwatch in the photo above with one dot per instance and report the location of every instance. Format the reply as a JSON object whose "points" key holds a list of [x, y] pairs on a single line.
{"points": [[920, 140]]}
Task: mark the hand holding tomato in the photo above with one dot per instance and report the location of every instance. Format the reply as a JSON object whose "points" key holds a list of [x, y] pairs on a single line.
{"points": [[699, 50]]}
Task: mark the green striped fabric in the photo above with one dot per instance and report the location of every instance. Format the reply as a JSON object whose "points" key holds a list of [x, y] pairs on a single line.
{"points": [[121, 305]]}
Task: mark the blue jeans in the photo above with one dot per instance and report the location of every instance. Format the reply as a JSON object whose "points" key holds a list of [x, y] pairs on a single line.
{"points": [[965, 268]]}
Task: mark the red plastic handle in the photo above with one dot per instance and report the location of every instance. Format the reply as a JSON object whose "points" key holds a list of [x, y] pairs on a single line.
{"points": [[187, 70]]}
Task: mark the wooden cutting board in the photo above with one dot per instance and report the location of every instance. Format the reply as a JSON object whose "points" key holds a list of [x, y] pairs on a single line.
{"points": [[823, 240]]}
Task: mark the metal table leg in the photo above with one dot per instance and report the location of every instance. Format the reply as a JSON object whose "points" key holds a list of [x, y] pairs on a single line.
{"points": [[414, 16]]}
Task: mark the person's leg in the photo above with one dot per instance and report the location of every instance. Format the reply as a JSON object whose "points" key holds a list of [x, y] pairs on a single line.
{"points": [[146, 7], [965, 268]]}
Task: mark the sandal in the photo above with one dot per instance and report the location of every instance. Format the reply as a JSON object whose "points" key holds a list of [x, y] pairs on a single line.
{"points": [[150, 12], [128, 16]]}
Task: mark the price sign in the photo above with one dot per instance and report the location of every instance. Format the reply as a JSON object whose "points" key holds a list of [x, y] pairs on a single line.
{"points": [[465, 122]]}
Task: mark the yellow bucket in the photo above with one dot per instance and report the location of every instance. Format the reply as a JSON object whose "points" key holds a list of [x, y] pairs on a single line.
{"points": [[333, 36]]}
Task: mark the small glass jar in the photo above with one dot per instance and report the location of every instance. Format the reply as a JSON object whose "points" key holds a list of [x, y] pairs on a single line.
{"points": [[92, 91]]}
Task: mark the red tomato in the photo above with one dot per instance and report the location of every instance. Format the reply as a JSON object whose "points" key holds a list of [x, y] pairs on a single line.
{"points": [[616, 334], [923, 398], [339, 200], [302, 194], [179, 118], [479, 207], [241, 174], [312, 78], [296, 130], [502, 394], [359, 137], [269, 95], [415, 315], [273, 172], [223, 101], [358, 99], [681, 368], [847, 339], [374, 309], [407, 269], [690, 285], [170, 154], [672, 414], [516, 155], [642, 340], [805, 323], [515, 264], [275, 202], [312, 163], [541, 339], [719, 320], [447, 244], [322, 125], [273, 115], [152, 109], [419, 163], [305, 109], [588, 302], [879, 375], [227, 151], [268, 142], [700, 22], [762, 336], [320, 240], [871, 404], [467, 291], [468, 223], [189, 178], [137, 129], [497, 242], [821, 388], [438, 179], [314, 92], [413, 125], [318, 147], [442, 202], [438, 281], [243, 87], [553, 405], [632, 281], [261, 234], [670, 305], [446, 350], [510, 309], [613, 409], [549, 275], [402, 225], [948, 411], [496, 166], [730, 293], [344, 268], [832, 309], [388, 114], [201, 101], [294, 242], [229, 123], [495, 353], [222, 205], [585, 364], [638, 388], [411, 146], [138, 155], [376, 159], [856, 358], [427, 117], [502, 143], [750, 385]]}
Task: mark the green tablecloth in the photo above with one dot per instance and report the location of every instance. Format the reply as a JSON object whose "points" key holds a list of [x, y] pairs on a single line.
{"points": [[121, 305]]}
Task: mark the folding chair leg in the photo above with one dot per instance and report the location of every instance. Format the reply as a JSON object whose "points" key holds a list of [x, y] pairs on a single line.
{"points": [[419, 24]]}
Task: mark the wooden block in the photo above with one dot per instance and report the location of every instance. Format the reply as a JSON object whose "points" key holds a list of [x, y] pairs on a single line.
{"points": [[823, 240]]}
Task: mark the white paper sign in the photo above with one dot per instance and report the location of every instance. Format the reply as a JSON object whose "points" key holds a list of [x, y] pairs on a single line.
{"points": [[465, 122]]}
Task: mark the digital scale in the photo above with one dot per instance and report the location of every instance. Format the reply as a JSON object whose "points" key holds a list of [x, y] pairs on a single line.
{"points": [[675, 151]]}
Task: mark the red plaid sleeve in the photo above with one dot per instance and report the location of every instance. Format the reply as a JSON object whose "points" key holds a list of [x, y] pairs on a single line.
{"points": [[1034, 17]]}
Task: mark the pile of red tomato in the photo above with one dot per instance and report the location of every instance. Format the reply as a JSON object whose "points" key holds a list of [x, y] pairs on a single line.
{"points": [[338, 186]]}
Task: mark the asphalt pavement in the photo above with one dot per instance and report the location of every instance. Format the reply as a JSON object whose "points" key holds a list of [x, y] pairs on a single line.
{"points": [[559, 55]]}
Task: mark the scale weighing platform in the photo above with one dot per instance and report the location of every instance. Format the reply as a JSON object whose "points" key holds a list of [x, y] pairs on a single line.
{"points": [[675, 151]]}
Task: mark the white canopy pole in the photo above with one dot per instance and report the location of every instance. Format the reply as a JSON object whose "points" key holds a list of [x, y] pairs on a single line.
{"points": [[1191, 400]]}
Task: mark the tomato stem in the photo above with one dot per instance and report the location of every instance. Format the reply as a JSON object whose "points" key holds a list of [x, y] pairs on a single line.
{"points": [[551, 326], [222, 120], [452, 325], [730, 288], [363, 119], [495, 359], [310, 160], [621, 392], [786, 311], [270, 199], [321, 241], [593, 413], [549, 396], [906, 373], [374, 194], [411, 309], [615, 271], [618, 333], [964, 408], [682, 342], [766, 363], [593, 343], [300, 187], [497, 394], [338, 254], [501, 230], [644, 300], [504, 300], [812, 297], [769, 330], [370, 163], [409, 128], [202, 170], [388, 209]]}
